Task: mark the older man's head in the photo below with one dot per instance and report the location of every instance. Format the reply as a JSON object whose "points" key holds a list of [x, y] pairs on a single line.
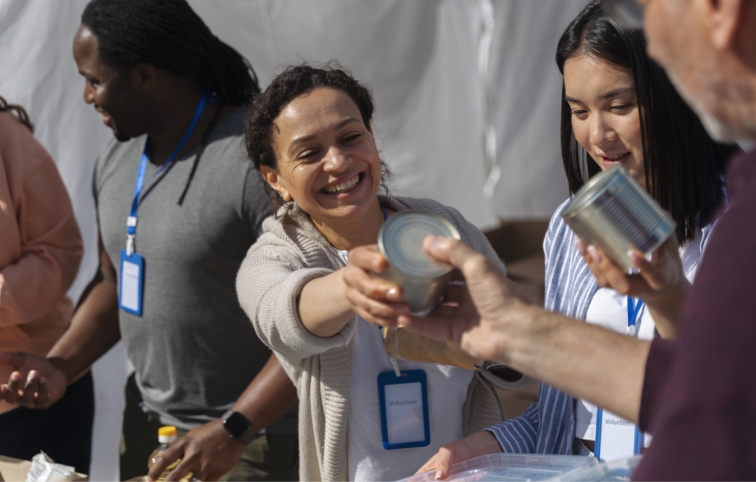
{"points": [[709, 49]]}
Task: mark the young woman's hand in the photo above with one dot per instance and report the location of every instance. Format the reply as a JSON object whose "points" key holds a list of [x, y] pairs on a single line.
{"points": [[660, 282], [475, 445]]}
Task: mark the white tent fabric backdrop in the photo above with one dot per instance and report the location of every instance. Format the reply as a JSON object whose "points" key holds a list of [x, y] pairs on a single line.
{"points": [[467, 107]]}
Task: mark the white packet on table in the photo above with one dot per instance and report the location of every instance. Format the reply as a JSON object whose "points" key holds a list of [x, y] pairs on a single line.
{"points": [[43, 469]]}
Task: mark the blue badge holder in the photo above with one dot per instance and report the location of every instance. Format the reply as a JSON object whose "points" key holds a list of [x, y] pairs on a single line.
{"points": [[597, 444], [139, 261], [409, 376]]}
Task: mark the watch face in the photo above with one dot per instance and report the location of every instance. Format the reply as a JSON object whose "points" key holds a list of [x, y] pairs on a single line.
{"points": [[236, 424]]}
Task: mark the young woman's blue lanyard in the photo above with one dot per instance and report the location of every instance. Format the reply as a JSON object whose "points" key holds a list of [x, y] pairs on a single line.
{"points": [[614, 436], [633, 308], [131, 221]]}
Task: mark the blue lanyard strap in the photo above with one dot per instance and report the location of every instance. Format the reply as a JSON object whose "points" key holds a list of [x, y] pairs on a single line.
{"points": [[633, 308], [131, 222]]}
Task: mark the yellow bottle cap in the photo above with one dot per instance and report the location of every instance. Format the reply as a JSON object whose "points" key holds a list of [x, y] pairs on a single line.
{"points": [[167, 431]]}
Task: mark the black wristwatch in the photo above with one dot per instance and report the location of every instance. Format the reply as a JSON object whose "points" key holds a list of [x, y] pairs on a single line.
{"points": [[238, 426]]}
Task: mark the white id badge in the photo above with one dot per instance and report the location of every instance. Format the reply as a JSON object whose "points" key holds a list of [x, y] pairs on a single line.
{"points": [[616, 438], [131, 283], [404, 409]]}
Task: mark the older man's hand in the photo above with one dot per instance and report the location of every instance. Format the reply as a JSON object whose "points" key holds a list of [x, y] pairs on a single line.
{"points": [[473, 314]]}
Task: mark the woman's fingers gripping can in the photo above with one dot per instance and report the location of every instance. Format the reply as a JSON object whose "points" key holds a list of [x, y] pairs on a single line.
{"points": [[422, 279]]}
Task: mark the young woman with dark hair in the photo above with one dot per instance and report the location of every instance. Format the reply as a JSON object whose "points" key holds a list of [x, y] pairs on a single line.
{"points": [[311, 136], [618, 107], [682, 165]]}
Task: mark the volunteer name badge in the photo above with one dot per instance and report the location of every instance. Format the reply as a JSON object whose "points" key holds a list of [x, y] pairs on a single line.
{"points": [[131, 285], [616, 438], [404, 409]]}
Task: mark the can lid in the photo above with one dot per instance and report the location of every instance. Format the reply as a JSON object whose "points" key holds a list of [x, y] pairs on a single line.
{"points": [[401, 241], [595, 187], [167, 434]]}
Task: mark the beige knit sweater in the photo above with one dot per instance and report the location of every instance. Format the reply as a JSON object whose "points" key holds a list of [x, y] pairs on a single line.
{"points": [[289, 254]]}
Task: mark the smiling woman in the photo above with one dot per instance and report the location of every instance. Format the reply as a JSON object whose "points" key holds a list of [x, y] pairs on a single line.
{"points": [[311, 137], [618, 102], [329, 163], [352, 100], [605, 114]]}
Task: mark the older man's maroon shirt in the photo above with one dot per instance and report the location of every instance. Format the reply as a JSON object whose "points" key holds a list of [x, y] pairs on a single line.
{"points": [[699, 394]]}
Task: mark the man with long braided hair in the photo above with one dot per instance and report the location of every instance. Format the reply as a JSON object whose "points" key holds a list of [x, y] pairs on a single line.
{"points": [[174, 96]]}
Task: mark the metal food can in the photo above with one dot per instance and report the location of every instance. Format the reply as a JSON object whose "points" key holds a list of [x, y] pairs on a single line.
{"points": [[422, 279], [614, 212]]}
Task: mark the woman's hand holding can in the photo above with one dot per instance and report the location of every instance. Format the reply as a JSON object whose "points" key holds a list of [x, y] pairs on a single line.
{"points": [[374, 299], [660, 282]]}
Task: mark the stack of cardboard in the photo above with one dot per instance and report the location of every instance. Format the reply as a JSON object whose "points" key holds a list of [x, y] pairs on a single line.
{"points": [[519, 244], [12, 470], [41, 467]]}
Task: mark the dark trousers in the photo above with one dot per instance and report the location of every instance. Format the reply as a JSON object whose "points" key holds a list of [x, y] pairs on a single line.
{"points": [[269, 457], [63, 431]]}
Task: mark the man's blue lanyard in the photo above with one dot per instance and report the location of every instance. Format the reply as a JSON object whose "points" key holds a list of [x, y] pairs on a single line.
{"points": [[633, 308], [131, 221]]}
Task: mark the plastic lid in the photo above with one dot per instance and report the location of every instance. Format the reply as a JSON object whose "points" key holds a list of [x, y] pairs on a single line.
{"points": [[518, 467], [167, 434], [401, 241]]}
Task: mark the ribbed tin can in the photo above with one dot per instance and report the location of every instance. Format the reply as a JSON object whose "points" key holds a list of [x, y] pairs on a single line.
{"points": [[422, 279], [615, 213]]}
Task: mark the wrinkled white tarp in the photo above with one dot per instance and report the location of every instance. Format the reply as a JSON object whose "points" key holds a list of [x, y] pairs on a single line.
{"points": [[467, 96]]}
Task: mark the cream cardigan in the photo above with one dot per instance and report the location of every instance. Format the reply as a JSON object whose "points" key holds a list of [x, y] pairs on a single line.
{"points": [[289, 254]]}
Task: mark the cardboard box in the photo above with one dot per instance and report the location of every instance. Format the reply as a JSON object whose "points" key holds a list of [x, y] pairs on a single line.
{"points": [[519, 244], [13, 470]]}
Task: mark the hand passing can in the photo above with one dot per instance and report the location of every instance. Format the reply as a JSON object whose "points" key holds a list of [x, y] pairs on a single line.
{"points": [[422, 279], [613, 212]]}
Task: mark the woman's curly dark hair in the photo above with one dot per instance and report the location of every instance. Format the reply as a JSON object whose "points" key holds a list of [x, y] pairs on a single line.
{"points": [[294, 81]]}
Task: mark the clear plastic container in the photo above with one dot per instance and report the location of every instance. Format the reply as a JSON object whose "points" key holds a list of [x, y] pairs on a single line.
{"points": [[612, 471], [506, 467]]}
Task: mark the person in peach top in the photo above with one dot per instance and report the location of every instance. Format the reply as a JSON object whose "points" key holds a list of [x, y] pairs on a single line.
{"points": [[40, 252]]}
